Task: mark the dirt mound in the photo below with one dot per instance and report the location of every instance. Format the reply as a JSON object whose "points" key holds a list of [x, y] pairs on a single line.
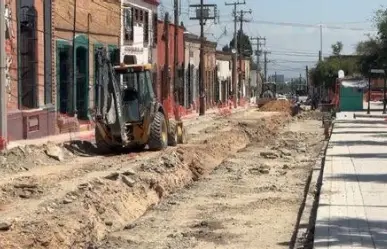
{"points": [[24, 158], [83, 216], [277, 106], [310, 115], [267, 128]]}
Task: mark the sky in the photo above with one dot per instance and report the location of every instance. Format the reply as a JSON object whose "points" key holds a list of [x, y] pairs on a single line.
{"points": [[291, 27]]}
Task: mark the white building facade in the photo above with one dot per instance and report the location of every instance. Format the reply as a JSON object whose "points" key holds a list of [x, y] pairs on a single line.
{"points": [[224, 74], [139, 30], [191, 68]]}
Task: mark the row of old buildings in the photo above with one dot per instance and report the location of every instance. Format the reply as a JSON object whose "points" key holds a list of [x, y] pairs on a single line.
{"points": [[50, 51]]}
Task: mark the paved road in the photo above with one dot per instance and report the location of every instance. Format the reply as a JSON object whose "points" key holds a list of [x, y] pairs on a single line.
{"points": [[352, 211]]}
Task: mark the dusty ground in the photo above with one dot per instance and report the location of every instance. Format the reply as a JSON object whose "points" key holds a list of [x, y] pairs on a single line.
{"points": [[251, 200], [90, 201]]}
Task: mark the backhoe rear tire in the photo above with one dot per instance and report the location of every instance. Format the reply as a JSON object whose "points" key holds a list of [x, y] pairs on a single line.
{"points": [[158, 137], [172, 133]]}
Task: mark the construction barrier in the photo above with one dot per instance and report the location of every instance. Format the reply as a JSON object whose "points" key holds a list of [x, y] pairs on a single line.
{"points": [[375, 96], [224, 109]]}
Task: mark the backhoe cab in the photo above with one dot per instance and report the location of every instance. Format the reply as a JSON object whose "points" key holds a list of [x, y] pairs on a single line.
{"points": [[127, 112], [269, 91]]}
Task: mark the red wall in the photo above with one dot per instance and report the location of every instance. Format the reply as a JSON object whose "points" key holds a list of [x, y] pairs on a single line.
{"points": [[161, 57]]}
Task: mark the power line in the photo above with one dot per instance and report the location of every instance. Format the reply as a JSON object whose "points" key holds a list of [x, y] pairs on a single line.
{"points": [[304, 25]]}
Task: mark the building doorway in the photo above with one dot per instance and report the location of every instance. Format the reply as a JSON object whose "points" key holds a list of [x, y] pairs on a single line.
{"points": [[64, 81], [82, 82], [64, 76]]}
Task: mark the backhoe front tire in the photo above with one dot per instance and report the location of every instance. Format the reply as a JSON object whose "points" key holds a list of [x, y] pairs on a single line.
{"points": [[158, 137]]}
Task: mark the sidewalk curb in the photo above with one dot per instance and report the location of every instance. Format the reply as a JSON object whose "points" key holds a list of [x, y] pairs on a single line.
{"points": [[304, 231]]}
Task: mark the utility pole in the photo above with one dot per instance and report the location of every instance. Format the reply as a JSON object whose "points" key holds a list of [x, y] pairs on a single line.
{"points": [[241, 21], [235, 49], [300, 84], [167, 88], [258, 54], [3, 95], [176, 51], [265, 63], [307, 80], [321, 43], [203, 14]]}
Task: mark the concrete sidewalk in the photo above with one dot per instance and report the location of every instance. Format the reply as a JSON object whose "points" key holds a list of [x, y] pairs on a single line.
{"points": [[352, 211], [89, 135]]}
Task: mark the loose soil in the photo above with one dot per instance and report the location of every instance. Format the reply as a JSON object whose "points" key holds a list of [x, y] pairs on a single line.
{"points": [[281, 105], [251, 200], [117, 201]]}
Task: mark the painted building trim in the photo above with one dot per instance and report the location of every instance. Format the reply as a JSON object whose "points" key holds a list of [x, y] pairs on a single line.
{"points": [[143, 50]]}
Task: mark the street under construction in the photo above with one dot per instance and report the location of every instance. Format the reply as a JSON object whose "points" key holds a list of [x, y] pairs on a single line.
{"points": [[239, 181]]}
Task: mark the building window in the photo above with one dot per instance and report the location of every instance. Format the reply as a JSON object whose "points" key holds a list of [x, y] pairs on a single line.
{"points": [[141, 16], [155, 28], [27, 55], [128, 24], [146, 27], [114, 55], [136, 15]]}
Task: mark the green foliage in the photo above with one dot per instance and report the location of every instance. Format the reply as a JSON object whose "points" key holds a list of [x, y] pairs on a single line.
{"points": [[326, 71], [337, 48], [244, 44], [370, 56], [373, 52]]}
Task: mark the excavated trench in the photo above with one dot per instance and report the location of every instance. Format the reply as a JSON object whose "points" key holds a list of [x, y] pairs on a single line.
{"points": [[94, 206]]}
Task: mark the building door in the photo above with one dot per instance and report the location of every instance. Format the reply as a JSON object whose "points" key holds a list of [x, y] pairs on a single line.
{"points": [[82, 82], [190, 79], [64, 81], [64, 75]]}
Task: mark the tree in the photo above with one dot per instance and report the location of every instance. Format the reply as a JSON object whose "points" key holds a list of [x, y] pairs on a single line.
{"points": [[244, 44], [337, 48], [226, 48], [327, 71], [369, 52], [373, 52]]}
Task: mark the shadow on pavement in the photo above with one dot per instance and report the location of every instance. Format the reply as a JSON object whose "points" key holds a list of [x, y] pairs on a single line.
{"points": [[358, 143], [345, 205], [348, 232], [357, 127], [360, 155], [359, 132], [360, 121], [380, 178]]}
